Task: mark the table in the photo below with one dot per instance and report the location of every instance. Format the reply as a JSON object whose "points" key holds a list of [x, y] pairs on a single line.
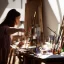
{"points": [[29, 58]]}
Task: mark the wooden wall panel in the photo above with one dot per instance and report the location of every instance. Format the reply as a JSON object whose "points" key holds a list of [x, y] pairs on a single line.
{"points": [[31, 7]]}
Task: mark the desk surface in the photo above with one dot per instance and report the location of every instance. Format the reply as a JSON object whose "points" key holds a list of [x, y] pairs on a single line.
{"points": [[38, 57], [44, 58]]}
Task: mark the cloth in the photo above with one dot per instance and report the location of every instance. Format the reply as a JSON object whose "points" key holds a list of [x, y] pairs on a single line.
{"points": [[4, 44]]}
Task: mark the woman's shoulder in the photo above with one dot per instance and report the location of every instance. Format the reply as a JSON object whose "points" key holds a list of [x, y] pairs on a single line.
{"points": [[3, 30], [3, 27]]}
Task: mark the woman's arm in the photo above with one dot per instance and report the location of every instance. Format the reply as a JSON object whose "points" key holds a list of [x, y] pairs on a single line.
{"points": [[13, 30]]}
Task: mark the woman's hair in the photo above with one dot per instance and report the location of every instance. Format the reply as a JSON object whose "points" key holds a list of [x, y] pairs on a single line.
{"points": [[10, 18]]}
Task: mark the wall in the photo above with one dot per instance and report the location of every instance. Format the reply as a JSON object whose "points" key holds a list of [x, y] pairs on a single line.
{"points": [[14, 4], [17, 4], [49, 19]]}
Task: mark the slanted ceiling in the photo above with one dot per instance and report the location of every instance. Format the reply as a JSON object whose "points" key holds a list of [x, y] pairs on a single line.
{"points": [[3, 4]]}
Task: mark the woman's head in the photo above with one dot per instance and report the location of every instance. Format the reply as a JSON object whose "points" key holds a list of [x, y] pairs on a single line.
{"points": [[12, 18]]}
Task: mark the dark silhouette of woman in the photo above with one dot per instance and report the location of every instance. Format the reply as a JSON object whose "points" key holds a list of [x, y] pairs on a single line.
{"points": [[6, 29]]}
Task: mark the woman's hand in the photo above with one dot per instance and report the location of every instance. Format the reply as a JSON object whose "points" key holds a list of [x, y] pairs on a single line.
{"points": [[22, 30], [20, 44]]}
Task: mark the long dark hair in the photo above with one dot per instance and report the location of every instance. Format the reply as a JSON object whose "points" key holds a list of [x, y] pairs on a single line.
{"points": [[10, 18]]}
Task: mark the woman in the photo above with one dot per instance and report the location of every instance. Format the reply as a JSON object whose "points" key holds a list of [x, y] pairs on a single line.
{"points": [[6, 29]]}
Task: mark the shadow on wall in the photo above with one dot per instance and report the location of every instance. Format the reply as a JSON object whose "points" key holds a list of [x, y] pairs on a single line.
{"points": [[3, 5], [49, 19]]}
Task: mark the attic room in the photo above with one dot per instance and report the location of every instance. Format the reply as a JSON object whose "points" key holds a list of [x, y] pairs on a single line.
{"points": [[37, 34]]}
